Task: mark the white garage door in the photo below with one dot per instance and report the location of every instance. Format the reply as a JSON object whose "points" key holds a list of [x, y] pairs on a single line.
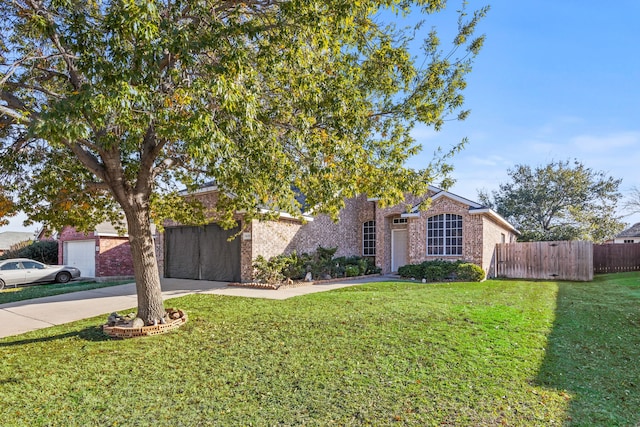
{"points": [[81, 254]]}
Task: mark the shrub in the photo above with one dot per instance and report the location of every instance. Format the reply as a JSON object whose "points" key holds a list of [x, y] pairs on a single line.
{"points": [[269, 271], [45, 251], [439, 270], [321, 264], [469, 272], [352, 270], [411, 271], [296, 265]]}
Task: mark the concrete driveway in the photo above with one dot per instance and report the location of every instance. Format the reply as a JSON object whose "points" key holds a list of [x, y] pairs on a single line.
{"points": [[24, 316]]}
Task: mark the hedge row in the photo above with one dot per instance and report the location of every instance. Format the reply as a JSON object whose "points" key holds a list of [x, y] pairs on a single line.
{"points": [[45, 251], [439, 270], [321, 264]]}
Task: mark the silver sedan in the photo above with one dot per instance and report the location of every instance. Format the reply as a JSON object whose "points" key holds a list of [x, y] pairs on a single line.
{"points": [[20, 271]]}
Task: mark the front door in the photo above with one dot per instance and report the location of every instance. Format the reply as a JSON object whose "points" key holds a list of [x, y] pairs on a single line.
{"points": [[398, 249]]}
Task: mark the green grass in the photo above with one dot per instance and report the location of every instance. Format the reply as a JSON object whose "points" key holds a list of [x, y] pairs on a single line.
{"points": [[11, 294], [495, 353]]}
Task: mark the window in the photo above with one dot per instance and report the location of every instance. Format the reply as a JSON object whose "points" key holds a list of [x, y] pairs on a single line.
{"points": [[444, 235], [503, 238], [399, 220], [11, 266], [629, 241], [32, 264], [369, 238]]}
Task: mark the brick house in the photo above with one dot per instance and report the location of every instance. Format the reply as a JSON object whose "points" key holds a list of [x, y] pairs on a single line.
{"points": [[451, 228], [630, 235], [100, 254]]}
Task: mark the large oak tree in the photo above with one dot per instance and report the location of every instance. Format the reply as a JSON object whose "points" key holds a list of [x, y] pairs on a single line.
{"points": [[109, 107], [562, 200]]}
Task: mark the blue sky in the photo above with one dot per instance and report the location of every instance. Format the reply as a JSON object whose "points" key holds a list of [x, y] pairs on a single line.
{"points": [[556, 80]]}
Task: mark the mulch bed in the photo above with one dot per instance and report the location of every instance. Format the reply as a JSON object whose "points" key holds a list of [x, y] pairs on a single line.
{"points": [[296, 284]]}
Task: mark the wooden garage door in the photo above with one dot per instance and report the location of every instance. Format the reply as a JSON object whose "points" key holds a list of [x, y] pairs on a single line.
{"points": [[82, 255], [202, 253]]}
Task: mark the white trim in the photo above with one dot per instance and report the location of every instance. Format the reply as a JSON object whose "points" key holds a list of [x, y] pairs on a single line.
{"points": [[443, 193], [446, 247], [410, 215], [206, 189], [286, 215], [495, 216]]}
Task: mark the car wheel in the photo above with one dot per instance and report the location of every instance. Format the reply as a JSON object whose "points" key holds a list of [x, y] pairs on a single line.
{"points": [[63, 277], [1, 284]]}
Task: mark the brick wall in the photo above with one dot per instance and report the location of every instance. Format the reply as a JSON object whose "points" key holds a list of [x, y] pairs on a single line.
{"points": [[492, 234], [346, 234], [114, 258], [271, 238]]}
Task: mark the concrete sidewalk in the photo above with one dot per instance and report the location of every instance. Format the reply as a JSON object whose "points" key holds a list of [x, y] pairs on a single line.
{"points": [[24, 316]]}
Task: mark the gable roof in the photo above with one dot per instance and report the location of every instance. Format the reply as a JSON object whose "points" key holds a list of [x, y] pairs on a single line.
{"points": [[305, 209], [474, 207], [633, 231]]}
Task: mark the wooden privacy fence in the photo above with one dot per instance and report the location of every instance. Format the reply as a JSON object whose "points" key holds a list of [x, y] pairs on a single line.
{"points": [[565, 260], [616, 258]]}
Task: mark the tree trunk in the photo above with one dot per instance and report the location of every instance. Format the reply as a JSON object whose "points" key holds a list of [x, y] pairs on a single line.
{"points": [[145, 266]]}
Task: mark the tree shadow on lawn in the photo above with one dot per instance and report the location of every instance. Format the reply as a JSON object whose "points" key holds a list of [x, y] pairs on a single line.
{"points": [[593, 350], [91, 333]]}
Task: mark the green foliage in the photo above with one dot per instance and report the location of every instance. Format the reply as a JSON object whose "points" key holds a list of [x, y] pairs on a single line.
{"points": [[559, 201], [270, 271], [351, 270], [111, 107], [45, 251], [439, 270], [320, 264], [135, 98], [468, 272]]}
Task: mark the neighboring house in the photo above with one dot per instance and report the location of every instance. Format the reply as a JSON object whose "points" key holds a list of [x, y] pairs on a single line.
{"points": [[452, 228], [100, 254], [630, 235], [10, 238]]}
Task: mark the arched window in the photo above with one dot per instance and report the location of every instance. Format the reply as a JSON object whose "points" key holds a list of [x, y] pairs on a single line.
{"points": [[444, 235], [369, 238]]}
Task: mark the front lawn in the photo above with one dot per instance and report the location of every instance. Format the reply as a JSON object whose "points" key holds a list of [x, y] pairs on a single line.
{"points": [[21, 293], [493, 353]]}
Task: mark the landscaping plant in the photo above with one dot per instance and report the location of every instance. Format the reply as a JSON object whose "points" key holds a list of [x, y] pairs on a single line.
{"points": [[439, 270]]}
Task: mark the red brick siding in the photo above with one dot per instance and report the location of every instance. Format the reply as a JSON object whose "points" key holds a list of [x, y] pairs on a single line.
{"points": [[346, 234], [471, 232], [114, 258]]}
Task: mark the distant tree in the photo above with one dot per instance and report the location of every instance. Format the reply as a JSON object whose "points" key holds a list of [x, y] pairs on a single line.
{"points": [[559, 201], [113, 106], [632, 203]]}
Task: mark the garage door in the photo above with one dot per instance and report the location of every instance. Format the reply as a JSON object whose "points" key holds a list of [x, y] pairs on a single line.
{"points": [[202, 253], [81, 254]]}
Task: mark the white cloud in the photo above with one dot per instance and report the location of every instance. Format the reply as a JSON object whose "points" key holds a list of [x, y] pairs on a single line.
{"points": [[606, 142]]}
